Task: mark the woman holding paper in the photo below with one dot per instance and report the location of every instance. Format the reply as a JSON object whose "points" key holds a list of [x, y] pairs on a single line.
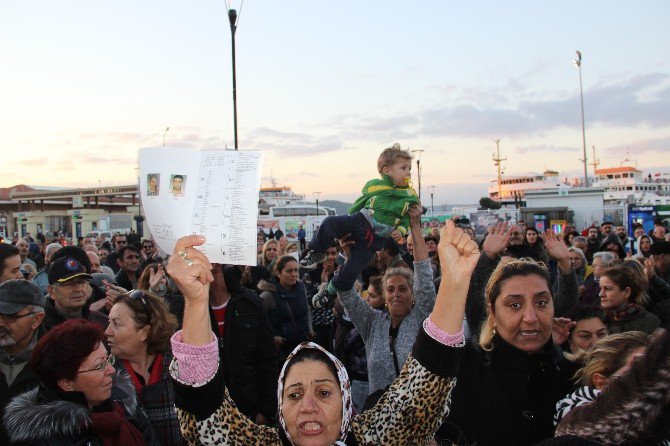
{"points": [[314, 391]]}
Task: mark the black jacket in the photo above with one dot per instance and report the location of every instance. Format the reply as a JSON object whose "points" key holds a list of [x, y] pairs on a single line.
{"points": [[52, 317], [506, 396], [24, 381], [288, 313], [44, 417], [123, 280], [249, 356]]}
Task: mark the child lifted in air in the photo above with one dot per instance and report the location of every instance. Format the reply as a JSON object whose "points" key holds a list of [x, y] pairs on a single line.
{"points": [[382, 208]]}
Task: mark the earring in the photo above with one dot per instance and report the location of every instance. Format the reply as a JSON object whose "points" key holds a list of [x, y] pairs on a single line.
{"points": [[495, 331]]}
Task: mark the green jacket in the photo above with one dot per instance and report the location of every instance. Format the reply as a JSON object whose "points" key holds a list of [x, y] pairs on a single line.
{"points": [[388, 204]]}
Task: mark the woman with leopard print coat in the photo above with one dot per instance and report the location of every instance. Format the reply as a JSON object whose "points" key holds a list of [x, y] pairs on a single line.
{"points": [[313, 389]]}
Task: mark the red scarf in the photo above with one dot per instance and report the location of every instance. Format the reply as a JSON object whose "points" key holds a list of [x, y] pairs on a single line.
{"points": [[156, 373], [114, 429]]}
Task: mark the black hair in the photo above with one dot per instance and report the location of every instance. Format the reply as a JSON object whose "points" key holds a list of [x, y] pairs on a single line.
{"points": [[391, 247], [134, 239], [431, 238], [7, 251], [581, 312], [282, 262], [122, 251], [232, 276]]}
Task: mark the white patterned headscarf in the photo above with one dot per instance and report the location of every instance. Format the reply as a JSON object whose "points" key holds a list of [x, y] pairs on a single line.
{"points": [[345, 387]]}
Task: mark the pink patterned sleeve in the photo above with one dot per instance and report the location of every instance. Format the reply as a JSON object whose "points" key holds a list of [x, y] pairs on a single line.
{"points": [[195, 364], [435, 332]]}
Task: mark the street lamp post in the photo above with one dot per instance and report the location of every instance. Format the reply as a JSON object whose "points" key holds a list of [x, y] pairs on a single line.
{"points": [[417, 153], [232, 18], [432, 191], [317, 208], [578, 63]]}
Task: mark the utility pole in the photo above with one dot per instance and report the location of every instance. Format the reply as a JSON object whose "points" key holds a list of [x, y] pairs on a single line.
{"points": [[417, 153], [578, 64], [232, 18], [498, 163]]}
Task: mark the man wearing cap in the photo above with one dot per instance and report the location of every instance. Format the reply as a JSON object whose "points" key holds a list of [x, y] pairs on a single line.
{"points": [[10, 263], [606, 228], [69, 289], [21, 315]]}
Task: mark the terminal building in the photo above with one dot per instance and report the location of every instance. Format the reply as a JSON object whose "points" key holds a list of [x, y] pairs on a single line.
{"points": [[29, 210]]}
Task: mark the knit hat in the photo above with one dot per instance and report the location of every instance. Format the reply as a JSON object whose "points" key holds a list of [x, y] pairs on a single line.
{"points": [[17, 294]]}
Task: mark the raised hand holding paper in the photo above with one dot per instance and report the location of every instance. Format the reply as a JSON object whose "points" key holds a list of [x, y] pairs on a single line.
{"points": [[213, 193]]}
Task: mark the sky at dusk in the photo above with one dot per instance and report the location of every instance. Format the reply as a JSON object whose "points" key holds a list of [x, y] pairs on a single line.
{"points": [[323, 87]]}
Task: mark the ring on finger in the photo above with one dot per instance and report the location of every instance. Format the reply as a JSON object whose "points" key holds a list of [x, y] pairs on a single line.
{"points": [[189, 262], [182, 253]]}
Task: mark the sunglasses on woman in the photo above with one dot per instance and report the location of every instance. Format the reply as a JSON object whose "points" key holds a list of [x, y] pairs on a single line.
{"points": [[138, 295]]}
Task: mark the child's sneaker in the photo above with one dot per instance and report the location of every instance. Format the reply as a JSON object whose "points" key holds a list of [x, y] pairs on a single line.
{"points": [[312, 259], [321, 299]]}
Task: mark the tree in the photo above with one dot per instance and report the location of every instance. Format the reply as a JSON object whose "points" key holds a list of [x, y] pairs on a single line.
{"points": [[487, 203]]}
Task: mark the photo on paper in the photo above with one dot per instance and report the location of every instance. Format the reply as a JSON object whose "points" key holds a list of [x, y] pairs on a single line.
{"points": [[177, 185], [153, 184]]}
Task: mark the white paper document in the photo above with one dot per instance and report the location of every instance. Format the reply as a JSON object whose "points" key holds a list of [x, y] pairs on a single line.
{"points": [[213, 193]]}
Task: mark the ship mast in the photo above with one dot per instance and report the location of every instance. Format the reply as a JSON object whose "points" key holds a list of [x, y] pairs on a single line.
{"points": [[498, 163], [628, 160], [596, 161]]}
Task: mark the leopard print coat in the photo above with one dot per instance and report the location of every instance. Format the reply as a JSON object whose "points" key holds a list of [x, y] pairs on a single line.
{"points": [[408, 414]]}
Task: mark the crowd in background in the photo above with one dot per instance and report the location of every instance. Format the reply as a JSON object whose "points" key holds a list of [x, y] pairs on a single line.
{"points": [[87, 326]]}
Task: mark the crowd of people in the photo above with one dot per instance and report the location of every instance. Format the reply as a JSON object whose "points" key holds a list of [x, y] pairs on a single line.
{"points": [[373, 332]]}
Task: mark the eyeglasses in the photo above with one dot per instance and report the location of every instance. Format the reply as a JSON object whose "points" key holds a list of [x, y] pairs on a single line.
{"points": [[139, 295], [108, 360], [73, 283], [11, 318]]}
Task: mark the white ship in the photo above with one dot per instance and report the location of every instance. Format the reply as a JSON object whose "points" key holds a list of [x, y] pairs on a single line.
{"points": [[277, 196], [280, 201], [512, 189], [628, 185]]}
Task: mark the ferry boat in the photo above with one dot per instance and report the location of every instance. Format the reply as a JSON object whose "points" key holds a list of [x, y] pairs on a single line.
{"points": [[629, 185], [276, 196], [280, 201], [512, 189]]}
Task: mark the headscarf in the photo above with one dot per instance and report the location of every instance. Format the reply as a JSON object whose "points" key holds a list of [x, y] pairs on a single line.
{"points": [[345, 387], [613, 238], [637, 243]]}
